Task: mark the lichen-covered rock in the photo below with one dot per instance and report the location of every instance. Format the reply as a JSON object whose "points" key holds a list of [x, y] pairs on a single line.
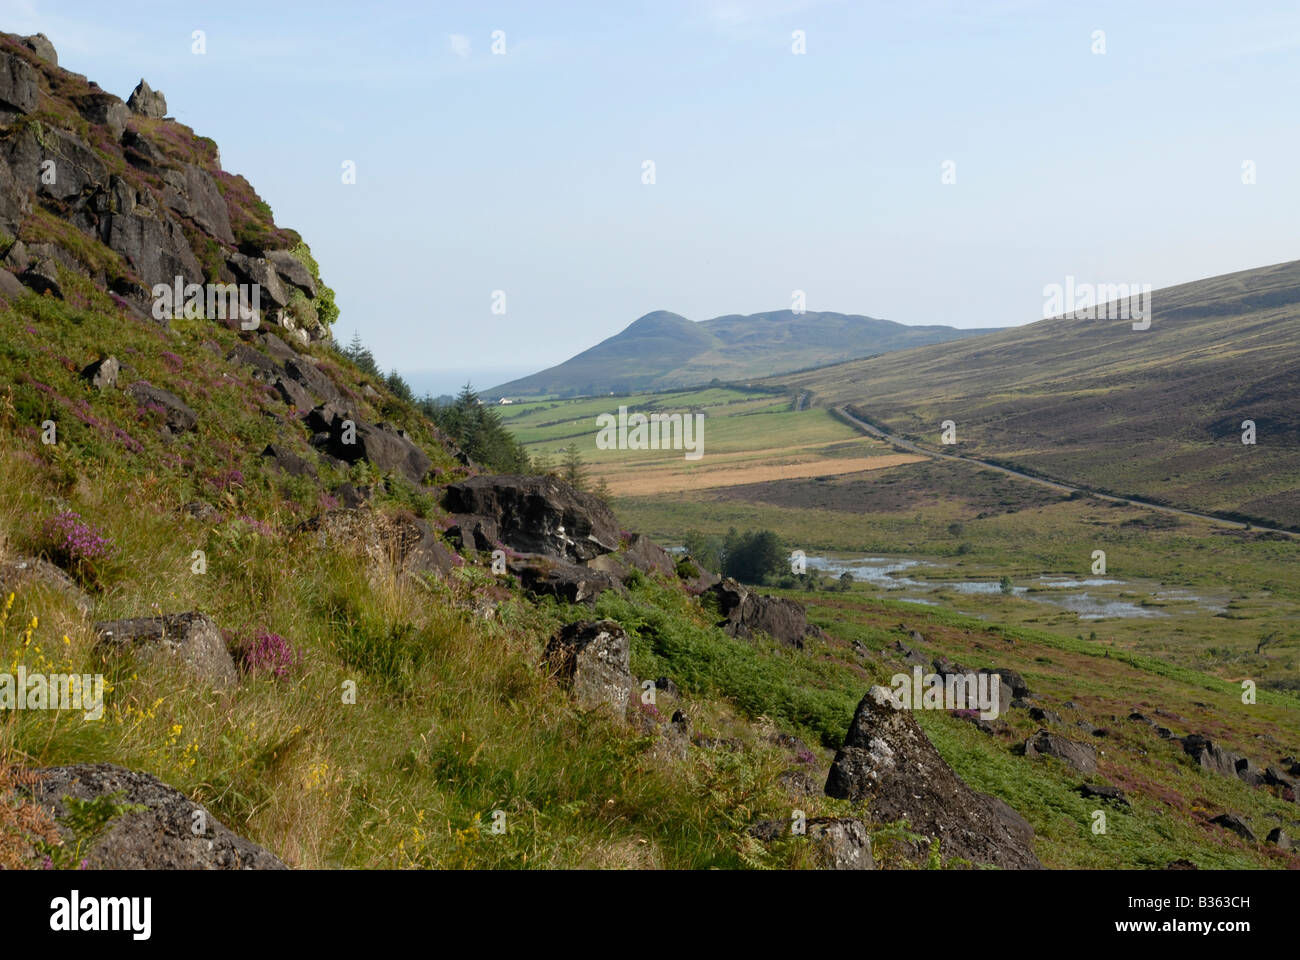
{"points": [[191, 639], [171, 833], [888, 761], [178, 415], [592, 658]]}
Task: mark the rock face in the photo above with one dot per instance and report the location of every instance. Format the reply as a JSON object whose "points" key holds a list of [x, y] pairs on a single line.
{"points": [[746, 612], [190, 638], [146, 101], [888, 761], [1081, 756], [540, 515], [18, 89], [162, 836], [592, 657]]}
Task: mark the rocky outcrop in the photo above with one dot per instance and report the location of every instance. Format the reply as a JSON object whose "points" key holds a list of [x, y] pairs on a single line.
{"points": [[350, 439], [570, 582], [538, 515], [1081, 756], [146, 101], [592, 658], [888, 761], [190, 639], [745, 613], [170, 833]]}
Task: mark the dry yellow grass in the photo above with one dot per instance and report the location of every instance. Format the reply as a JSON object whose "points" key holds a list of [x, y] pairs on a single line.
{"points": [[678, 477]]}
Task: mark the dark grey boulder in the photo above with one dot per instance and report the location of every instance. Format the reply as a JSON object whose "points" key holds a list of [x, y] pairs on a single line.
{"points": [[293, 394], [541, 515], [1103, 792], [1043, 715], [287, 461], [1280, 839], [261, 366], [888, 762], [592, 657], [171, 833], [746, 612], [191, 639], [381, 444], [314, 380], [1081, 756], [147, 101], [1210, 756], [1237, 824], [179, 416], [11, 288]]}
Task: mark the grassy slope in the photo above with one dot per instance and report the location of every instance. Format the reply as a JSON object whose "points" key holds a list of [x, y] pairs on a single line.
{"points": [[1154, 413]]}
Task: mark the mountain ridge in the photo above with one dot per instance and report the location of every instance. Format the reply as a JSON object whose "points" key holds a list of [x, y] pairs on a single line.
{"points": [[663, 349]]}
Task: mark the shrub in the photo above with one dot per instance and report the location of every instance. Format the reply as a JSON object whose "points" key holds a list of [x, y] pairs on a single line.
{"points": [[77, 546]]}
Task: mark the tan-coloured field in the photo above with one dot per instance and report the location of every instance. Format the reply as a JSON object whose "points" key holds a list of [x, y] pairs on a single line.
{"points": [[681, 476]]}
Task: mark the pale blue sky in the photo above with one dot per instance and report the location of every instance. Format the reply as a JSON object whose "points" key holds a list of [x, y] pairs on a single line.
{"points": [[775, 172]]}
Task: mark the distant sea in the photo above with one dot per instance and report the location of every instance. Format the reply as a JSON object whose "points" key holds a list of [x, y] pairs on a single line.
{"points": [[451, 380]]}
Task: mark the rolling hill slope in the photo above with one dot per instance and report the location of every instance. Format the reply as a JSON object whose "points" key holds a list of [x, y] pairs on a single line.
{"points": [[665, 350], [1156, 413]]}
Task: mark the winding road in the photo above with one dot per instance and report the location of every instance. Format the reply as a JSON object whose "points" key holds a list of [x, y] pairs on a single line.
{"points": [[910, 447]]}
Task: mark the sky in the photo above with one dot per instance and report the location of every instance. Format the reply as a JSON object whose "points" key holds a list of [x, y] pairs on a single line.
{"points": [[774, 171]]}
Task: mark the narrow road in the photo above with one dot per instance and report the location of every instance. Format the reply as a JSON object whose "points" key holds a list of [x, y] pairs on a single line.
{"points": [[911, 447]]}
